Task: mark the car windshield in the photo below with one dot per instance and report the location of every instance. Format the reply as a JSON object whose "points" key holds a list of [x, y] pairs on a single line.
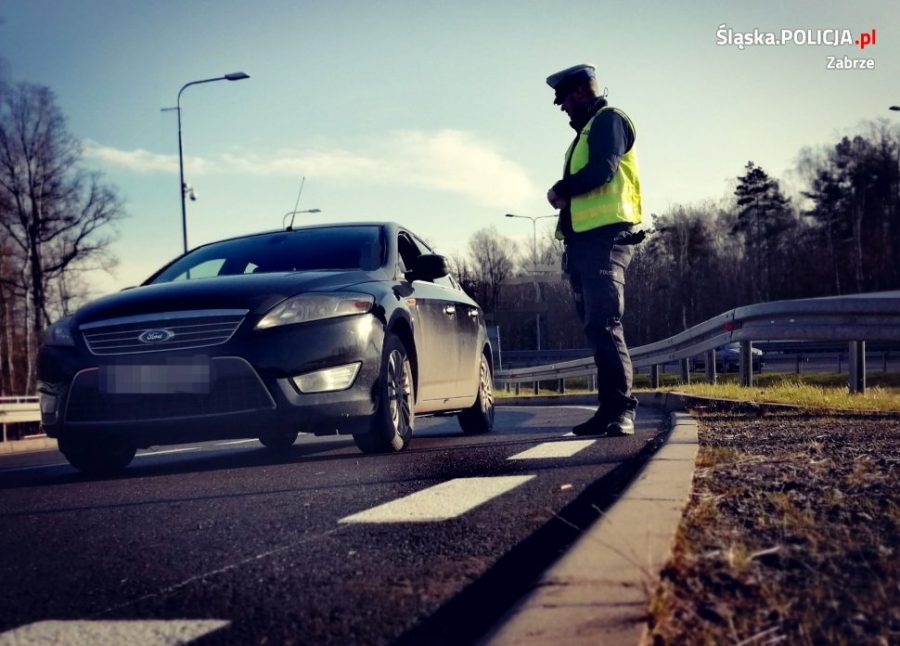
{"points": [[336, 248]]}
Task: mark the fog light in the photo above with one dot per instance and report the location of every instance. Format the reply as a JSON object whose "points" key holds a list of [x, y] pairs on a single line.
{"points": [[320, 381]]}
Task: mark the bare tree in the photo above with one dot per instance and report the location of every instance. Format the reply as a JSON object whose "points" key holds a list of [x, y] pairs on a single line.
{"points": [[54, 215], [492, 256]]}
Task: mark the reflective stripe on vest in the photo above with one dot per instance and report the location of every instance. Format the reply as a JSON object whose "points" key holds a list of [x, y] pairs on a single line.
{"points": [[619, 200]]}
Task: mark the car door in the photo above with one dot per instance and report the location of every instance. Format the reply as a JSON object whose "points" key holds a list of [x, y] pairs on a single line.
{"points": [[435, 314], [468, 317]]}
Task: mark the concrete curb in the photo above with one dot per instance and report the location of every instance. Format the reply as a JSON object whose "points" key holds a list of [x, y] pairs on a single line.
{"points": [[31, 444], [598, 592]]}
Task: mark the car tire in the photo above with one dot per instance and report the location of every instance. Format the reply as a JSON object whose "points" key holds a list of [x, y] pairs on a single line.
{"points": [[480, 417], [278, 442], [392, 424], [97, 456]]}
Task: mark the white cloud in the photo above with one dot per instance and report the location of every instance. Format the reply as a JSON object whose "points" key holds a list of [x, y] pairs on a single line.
{"points": [[326, 165], [450, 161], [454, 161], [140, 160]]}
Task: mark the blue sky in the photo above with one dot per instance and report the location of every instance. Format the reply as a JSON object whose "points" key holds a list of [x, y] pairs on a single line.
{"points": [[433, 114]]}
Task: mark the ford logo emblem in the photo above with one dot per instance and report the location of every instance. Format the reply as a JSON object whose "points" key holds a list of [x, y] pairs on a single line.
{"points": [[155, 336]]}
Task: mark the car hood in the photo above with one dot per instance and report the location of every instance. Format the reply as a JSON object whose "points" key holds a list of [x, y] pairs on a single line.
{"points": [[254, 292]]}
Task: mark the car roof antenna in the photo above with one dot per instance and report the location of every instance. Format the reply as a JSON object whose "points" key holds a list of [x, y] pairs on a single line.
{"points": [[293, 213]]}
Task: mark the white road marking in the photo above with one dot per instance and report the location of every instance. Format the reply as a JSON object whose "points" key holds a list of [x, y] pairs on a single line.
{"points": [[100, 633], [232, 442], [553, 450], [167, 452], [440, 502]]}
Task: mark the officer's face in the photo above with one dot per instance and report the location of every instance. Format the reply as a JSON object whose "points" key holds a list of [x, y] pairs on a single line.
{"points": [[575, 102]]}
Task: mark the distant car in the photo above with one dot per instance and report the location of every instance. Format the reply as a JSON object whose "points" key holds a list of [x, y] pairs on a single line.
{"points": [[350, 328], [728, 358]]}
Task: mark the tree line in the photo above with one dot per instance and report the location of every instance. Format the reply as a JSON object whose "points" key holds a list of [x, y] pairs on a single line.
{"points": [[839, 235]]}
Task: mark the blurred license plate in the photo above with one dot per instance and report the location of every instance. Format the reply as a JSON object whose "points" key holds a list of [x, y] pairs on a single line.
{"points": [[191, 377]]}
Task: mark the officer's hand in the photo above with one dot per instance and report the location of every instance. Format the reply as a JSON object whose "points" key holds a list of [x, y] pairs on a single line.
{"points": [[555, 201]]}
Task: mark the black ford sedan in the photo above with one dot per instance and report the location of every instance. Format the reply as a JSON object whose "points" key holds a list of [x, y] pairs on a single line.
{"points": [[351, 328]]}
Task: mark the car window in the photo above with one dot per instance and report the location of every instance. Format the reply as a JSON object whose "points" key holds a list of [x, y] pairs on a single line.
{"points": [[407, 250], [321, 248], [206, 269]]}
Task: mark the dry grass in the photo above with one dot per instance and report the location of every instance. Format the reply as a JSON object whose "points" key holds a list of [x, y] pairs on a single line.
{"points": [[809, 395], [791, 537]]}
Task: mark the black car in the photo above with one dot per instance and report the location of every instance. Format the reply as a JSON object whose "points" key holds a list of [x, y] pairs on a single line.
{"points": [[728, 358], [351, 328]]}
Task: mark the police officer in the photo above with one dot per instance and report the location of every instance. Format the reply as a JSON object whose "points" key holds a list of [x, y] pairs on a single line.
{"points": [[599, 199]]}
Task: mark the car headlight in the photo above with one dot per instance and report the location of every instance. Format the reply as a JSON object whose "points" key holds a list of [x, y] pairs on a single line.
{"points": [[60, 334], [316, 306]]}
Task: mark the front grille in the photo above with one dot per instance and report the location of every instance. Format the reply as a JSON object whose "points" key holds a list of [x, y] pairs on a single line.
{"points": [[234, 387], [173, 331]]}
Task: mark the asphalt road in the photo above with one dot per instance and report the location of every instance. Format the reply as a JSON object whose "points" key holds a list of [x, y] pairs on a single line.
{"points": [[322, 546]]}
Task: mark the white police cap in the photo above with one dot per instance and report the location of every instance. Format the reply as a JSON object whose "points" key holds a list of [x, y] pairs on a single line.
{"points": [[565, 80]]}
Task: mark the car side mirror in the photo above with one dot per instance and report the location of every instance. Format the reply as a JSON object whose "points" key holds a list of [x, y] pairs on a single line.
{"points": [[428, 266]]}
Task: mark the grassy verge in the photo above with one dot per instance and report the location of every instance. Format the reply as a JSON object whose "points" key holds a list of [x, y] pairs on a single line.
{"points": [[816, 391], [792, 534], [786, 389]]}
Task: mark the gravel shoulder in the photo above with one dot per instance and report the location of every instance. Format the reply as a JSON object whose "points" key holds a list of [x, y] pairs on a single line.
{"points": [[791, 536]]}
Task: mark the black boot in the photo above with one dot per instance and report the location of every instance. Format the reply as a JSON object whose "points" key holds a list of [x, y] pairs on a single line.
{"points": [[596, 425], [622, 424]]}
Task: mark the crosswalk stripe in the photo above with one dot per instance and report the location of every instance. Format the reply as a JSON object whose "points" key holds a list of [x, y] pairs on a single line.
{"points": [[440, 502], [134, 633], [553, 450]]}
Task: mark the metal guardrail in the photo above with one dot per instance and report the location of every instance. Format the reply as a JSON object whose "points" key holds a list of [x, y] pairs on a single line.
{"points": [[17, 410], [852, 319]]}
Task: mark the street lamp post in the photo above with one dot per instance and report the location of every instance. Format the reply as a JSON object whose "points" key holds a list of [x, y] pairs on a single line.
{"points": [[234, 76], [537, 315], [533, 233]]}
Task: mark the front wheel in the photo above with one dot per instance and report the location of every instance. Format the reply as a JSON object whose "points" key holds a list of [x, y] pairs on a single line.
{"points": [[392, 424], [97, 455], [480, 417]]}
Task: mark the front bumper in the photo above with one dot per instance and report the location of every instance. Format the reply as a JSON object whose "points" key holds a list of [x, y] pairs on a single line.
{"points": [[250, 391]]}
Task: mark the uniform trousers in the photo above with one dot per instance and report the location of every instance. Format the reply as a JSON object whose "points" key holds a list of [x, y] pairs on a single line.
{"points": [[596, 267]]}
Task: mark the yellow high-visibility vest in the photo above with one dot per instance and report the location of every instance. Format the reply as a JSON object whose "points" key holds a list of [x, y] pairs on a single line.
{"points": [[619, 200]]}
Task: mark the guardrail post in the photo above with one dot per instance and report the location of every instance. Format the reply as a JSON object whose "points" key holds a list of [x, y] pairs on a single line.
{"points": [[798, 363], [857, 367], [594, 382], [518, 388], [685, 370], [746, 363], [884, 358], [562, 386], [711, 376], [654, 375], [537, 387]]}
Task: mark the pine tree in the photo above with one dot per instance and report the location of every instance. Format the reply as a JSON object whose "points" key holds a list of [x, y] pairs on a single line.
{"points": [[764, 218]]}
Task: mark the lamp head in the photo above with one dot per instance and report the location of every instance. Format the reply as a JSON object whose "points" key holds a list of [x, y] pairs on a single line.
{"points": [[237, 76]]}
